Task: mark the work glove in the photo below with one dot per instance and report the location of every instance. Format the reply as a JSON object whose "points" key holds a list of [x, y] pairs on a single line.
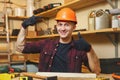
{"points": [[81, 44], [31, 21]]}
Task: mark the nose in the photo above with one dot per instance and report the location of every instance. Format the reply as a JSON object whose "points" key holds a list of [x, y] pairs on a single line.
{"points": [[63, 27]]}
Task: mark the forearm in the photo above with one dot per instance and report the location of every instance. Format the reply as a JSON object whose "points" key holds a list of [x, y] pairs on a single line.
{"points": [[22, 34], [94, 62], [21, 40]]}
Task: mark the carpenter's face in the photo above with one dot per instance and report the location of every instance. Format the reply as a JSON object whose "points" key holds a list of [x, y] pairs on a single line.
{"points": [[65, 28]]}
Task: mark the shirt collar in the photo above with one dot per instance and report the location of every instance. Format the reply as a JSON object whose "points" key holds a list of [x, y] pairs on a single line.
{"points": [[57, 42]]}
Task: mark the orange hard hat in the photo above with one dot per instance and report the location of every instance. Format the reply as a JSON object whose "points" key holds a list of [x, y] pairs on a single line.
{"points": [[66, 14]]}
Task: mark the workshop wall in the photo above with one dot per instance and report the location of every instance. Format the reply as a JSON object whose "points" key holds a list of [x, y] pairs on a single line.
{"points": [[102, 45]]}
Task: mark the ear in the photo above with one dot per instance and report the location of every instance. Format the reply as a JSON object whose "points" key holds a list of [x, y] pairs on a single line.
{"points": [[74, 27]]}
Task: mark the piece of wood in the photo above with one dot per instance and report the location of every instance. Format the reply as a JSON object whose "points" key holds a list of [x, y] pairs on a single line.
{"points": [[70, 75], [61, 76], [75, 5], [33, 75]]}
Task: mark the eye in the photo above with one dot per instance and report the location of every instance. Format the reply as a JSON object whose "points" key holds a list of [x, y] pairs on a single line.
{"points": [[66, 24], [59, 24]]}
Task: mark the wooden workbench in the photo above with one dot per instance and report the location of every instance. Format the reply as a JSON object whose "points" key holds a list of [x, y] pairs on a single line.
{"points": [[69, 78]]}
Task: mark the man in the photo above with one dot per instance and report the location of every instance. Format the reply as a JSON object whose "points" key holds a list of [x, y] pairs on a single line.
{"points": [[64, 54]]}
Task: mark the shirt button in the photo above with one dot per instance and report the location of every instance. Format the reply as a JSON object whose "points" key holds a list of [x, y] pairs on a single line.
{"points": [[55, 49], [57, 45], [76, 57], [49, 65], [51, 57], [45, 52]]}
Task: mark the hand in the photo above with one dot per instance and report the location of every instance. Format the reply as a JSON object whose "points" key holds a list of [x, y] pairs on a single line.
{"points": [[31, 21], [81, 44]]}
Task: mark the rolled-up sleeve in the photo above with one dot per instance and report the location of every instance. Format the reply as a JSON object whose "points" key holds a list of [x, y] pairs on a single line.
{"points": [[34, 47]]}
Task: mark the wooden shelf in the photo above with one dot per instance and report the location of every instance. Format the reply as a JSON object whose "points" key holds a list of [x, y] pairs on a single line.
{"points": [[17, 62], [11, 37], [75, 5], [4, 53], [17, 17], [33, 58], [108, 30], [4, 61]]}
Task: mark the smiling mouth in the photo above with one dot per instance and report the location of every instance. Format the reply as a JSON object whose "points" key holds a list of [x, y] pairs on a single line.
{"points": [[63, 33]]}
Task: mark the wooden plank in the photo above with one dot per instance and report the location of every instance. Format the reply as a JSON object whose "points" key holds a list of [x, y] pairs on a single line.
{"points": [[75, 4], [70, 75], [17, 17], [62, 76], [33, 57], [107, 30], [33, 75], [102, 76]]}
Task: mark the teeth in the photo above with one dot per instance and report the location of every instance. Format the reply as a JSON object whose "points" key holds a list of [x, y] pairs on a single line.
{"points": [[63, 33]]}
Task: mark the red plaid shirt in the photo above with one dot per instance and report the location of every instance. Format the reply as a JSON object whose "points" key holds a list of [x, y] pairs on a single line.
{"points": [[47, 49]]}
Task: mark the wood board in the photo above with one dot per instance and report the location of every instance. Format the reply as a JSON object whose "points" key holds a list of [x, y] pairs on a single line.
{"points": [[70, 75], [61, 76]]}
